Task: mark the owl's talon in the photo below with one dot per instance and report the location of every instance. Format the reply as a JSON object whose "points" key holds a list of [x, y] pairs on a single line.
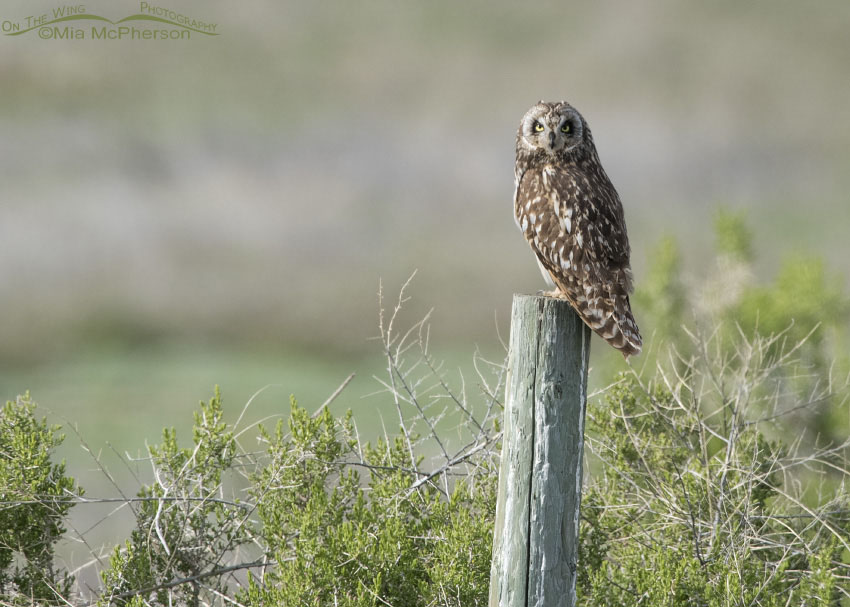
{"points": [[556, 294]]}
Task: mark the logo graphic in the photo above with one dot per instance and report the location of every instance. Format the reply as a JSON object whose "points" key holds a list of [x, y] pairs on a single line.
{"points": [[70, 22]]}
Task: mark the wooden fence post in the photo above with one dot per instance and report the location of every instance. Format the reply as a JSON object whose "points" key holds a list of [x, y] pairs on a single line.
{"points": [[537, 514]]}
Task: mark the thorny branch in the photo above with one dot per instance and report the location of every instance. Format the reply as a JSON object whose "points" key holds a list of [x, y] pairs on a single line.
{"points": [[421, 384]]}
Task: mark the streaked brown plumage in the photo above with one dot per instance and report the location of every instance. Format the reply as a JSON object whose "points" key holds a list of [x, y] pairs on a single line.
{"points": [[572, 217]]}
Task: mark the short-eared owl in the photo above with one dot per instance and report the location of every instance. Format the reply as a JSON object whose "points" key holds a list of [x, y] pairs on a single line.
{"points": [[572, 217]]}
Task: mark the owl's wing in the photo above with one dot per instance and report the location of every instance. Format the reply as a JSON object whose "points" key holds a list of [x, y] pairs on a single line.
{"points": [[560, 211], [603, 224], [604, 272]]}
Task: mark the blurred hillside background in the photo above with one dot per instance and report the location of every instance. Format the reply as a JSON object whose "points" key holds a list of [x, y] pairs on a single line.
{"points": [[221, 210]]}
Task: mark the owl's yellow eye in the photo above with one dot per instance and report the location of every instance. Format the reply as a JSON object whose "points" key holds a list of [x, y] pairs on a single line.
{"points": [[565, 128], [538, 127]]}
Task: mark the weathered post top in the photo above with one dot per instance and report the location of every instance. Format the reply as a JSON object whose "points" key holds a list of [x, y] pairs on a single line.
{"points": [[537, 515]]}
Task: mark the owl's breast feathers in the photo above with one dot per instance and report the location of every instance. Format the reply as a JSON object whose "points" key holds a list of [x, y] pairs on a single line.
{"points": [[573, 219]]}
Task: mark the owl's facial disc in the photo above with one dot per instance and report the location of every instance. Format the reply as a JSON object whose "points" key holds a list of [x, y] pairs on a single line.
{"points": [[546, 134], [549, 130]]}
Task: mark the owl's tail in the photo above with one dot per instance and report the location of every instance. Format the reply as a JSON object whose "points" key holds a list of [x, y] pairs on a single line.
{"points": [[615, 324]]}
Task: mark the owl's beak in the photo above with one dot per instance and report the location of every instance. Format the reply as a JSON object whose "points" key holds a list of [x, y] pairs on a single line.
{"points": [[551, 140]]}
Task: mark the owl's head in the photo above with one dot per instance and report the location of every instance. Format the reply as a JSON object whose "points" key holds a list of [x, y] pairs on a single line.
{"points": [[551, 128]]}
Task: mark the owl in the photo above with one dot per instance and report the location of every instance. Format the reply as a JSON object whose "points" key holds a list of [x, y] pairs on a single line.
{"points": [[571, 215]]}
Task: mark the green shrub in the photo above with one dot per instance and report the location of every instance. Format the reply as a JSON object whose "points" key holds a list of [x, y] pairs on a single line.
{"points": [[36, 496], [185, 530], [692, 500], [349, 528], [691, 503]]}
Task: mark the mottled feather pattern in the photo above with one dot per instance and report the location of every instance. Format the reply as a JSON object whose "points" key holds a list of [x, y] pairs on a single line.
{"points": [[573, 219]]}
